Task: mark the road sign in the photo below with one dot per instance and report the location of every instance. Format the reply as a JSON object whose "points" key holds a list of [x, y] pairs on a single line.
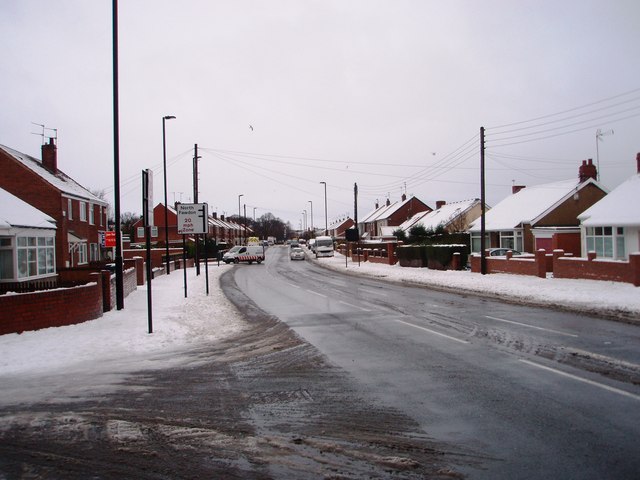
{"points": [[192, 218], [109, 239]]}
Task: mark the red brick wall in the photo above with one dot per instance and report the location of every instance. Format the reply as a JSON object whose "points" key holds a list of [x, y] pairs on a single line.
{"points": [[51, 308], [156, 254], [536, 266], [595, 269]]}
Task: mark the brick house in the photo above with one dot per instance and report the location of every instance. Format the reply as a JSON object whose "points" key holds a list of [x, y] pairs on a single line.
{"points": [[390, 215], [175, 239], [551, 210], [78, 213], [454, 217], [338, 227]]}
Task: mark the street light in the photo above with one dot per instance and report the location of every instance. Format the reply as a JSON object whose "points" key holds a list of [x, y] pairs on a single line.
{"points": [[304, 212], [164, 168], [241, 195], [311, 217], [326, 223], [254, 213]]}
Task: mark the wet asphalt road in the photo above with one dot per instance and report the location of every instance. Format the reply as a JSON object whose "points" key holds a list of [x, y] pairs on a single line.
{"points": [[532, 392]]}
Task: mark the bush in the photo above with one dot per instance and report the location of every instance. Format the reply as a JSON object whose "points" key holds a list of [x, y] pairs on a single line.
{"points": [[441, 256], [412, 256]]}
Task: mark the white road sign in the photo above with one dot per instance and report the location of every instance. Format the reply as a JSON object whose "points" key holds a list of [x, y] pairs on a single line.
{"points": [[192, 218]]}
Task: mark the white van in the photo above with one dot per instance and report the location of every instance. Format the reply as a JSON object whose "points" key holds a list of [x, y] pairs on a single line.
{"points": [[241, 253], [324, 246]]}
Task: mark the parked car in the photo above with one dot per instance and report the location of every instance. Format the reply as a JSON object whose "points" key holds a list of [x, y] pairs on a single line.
{"points": [[296, 253], [501, 252]]}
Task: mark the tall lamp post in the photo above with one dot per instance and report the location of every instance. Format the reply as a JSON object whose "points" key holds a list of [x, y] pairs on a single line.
{"points": [[239, 196], [304, 223], [164, 169], [311, 228], [326, 223]]}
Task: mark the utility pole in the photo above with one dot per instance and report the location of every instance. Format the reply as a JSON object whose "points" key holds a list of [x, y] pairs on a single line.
{"points": [[116, 164], [483, 259], [195, 200]]}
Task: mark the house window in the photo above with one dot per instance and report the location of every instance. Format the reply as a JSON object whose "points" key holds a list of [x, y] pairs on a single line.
{"points": [[82, 253], [101, 218], [93, 252], [607, 242], [70, 209], [83, 211], [511, 239], [91, 215], [36, 256], [6, 258]]}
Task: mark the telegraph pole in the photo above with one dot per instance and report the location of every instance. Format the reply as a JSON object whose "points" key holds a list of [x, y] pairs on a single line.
{"points": [[195, 200], [483, 259], [116, 165]]}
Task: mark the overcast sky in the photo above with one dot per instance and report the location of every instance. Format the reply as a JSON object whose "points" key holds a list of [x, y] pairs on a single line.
{"points": [[389, 94]]}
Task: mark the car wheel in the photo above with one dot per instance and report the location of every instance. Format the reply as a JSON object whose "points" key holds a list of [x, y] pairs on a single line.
{"points": [[235, 260]]}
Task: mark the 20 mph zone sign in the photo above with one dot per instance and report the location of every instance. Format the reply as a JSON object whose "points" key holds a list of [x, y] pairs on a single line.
{"points": [[192, 218]]}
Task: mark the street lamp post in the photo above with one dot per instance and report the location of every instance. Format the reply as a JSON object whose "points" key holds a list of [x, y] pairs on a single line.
{"points": [[164, 169], [254, 213], [304, 223], [312, 233], [326, 223], [239, 196]]}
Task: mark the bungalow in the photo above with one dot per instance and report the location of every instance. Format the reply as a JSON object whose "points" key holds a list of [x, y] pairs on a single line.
{"points": [[27, 241], [79, 214], [611, 227], [541, 208], [453, 217], [338, 227], [390, 215]]}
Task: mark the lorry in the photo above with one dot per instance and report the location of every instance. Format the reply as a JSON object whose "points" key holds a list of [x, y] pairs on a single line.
{"points": [[241, 253], [324, 246]]}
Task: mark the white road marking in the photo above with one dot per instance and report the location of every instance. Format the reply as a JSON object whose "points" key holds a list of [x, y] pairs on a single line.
{"points": [[354, 306], [318, 294], [433, 331], [292, 285], [531, 326], [584, 380]]}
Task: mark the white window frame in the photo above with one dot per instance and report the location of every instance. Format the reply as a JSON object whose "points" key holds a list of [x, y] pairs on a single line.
{"points": [[82, 253], [70, 209], [92, 220], [39, 253], [83, 211], [607, 241]]}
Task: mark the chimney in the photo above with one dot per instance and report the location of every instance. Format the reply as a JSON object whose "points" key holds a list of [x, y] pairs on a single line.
{"points": [[440, 204], [377, 205], [215, 215], [516, 188], [50, 156], [404, 197], [388, 202], [587, 170], [222, 217], [638, 161]]}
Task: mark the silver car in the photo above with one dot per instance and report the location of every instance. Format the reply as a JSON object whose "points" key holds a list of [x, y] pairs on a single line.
{"points": [[296, 253]]}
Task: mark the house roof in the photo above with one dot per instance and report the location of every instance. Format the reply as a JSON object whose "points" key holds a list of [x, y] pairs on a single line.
{"points": [[529, 204], [386, 211], [443, 215], [17, 213], [59, 180], [618, 208]]}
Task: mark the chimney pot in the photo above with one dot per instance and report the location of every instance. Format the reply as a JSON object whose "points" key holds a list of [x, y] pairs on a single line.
{"points": [[388, 202], [587, 170], [404, 197]]}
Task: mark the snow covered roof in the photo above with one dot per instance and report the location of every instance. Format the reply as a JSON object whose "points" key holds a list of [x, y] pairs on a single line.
{"points": [[17, 213], [385, 211], [59, 180], [529, 204], [443, 215], [619, 208]]}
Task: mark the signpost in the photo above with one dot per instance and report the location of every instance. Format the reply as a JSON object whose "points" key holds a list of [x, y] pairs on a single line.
{"points": [[147, 209], [193, 218]]}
